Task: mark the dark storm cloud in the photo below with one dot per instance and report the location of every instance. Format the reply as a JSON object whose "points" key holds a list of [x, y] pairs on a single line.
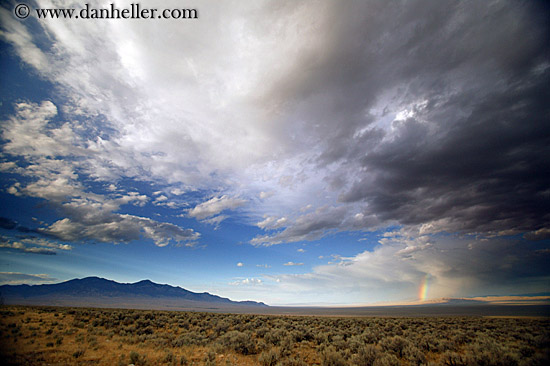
{"points": [[489, 171], [9, 224], [402, 112], [495, 262], [470, 148], [6, 223]]}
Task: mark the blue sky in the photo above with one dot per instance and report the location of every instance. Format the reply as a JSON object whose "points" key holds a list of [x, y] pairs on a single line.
{"points": [[285, 152]]}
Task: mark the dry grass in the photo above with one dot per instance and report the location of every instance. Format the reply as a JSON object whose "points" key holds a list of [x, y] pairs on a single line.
{"points": [[79, 336]]}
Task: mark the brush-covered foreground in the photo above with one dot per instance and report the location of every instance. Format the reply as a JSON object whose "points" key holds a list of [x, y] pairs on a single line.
{"points": [[80, 336]]}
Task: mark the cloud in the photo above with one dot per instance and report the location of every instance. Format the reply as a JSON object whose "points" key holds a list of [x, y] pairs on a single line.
{"points": [[46, 243], [17, 278], [441, 134], [6, 223], [440, 156], [31, 135], [398, 266], [160, 198], [26, 133], [214, 206], [19, 36], [513, 300], [216, 220], [293, 264], [414, 114], [310, 226], [272, 222], [112, 187], [177, 191], [247, 282], [208, 212], [264, 195], [33, 245], [20, 247], [121, 228], [540, 234], [240, 264]]}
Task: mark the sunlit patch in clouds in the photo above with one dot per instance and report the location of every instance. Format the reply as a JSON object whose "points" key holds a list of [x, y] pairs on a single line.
{"points": [[16, 278], [33, 245], [297, 123]]}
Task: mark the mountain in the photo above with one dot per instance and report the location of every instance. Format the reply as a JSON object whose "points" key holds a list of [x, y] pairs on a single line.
{"points": [[100, 292], [458, 302]]}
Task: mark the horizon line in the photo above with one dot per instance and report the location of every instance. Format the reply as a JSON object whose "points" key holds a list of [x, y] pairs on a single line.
{"points": [[523, 299]]}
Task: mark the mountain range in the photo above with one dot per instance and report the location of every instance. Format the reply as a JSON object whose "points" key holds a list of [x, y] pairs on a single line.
{"points": [[100, 292]]}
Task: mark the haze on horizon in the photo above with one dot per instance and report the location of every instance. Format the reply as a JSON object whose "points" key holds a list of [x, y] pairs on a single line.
{"points": [[286, 152]]}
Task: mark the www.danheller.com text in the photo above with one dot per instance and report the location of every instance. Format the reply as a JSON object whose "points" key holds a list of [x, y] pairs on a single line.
{"points": [[134, 11]]}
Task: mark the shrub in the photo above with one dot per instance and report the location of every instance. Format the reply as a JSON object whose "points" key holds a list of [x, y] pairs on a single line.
{"points": [[78, 353], [452, 359], [274, 336], [287, 344], [137, 359], [121, 361], [395, 344], [292, 361], [366, 356], [210, 359], [240, 342], [331, 357], [269, 358], [414, 355], [281, 341], [168, 358], [387, 359], [184, 361]]}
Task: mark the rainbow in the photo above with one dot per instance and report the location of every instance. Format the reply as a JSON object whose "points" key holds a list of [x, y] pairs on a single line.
{"points": [[423, 289]]}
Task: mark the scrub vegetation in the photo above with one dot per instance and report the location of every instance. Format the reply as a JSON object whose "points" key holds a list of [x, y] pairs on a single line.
{"points": [[83, 336]]}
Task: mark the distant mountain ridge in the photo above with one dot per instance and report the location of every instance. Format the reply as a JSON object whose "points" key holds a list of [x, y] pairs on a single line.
{"points": [[94, 288]]}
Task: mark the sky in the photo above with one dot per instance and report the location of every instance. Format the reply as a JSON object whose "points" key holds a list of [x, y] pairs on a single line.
{"points": [[290, 152]]}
